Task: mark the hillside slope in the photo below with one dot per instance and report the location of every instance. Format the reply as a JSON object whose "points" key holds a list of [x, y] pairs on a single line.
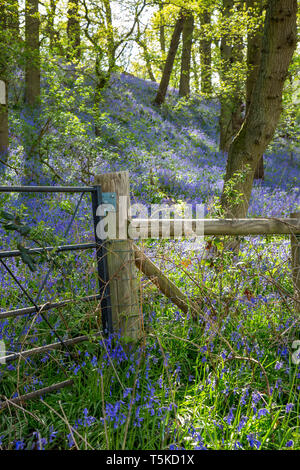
{"points": [[171, 152], [177, 146]]}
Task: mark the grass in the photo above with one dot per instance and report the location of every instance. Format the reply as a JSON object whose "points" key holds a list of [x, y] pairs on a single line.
{"points": [[225, 381]]}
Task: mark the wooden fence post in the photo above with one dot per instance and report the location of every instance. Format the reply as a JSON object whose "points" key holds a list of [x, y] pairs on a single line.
{"points": [[295, 251], [123, 282]]}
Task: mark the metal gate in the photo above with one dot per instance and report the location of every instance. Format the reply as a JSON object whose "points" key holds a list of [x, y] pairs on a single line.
{"points": [[103, 295]]}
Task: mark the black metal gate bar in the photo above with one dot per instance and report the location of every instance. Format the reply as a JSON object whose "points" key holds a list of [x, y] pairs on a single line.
{"points": [[46, 189], [58, 249], [102, 268], [48, 306], [52, 264], [33, 302], [49, 347], [37, 393]]}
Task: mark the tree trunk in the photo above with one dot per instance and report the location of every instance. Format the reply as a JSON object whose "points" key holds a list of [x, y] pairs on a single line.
{"points": [[205, 54], [254, 42], [111, 47], [162, 38], [148, 65], [4, 140], [231, 102], [32, 165], [195, 71], [3, 91], [73, 30], [278, 45], [260, 169], [187, 41], [168, 67], [32, 65], [50, 24]]}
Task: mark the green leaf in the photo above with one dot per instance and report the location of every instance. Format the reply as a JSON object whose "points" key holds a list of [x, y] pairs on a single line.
{"points": [[27, 257], [7, 215]]}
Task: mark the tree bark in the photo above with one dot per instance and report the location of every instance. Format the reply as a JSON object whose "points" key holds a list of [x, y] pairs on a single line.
{"points": [[187, 41], [4, 141], [205, 54], [278, 45], [73, 30], [231, 102], [32, 164], [195, 71], [254, 43], [162, 38], [50, 25], [168, 67], [111, 48], [32, 44]]}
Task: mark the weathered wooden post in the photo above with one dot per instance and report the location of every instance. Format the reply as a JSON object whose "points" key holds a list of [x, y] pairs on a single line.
{"points": [[123, 282], [295, 251]]}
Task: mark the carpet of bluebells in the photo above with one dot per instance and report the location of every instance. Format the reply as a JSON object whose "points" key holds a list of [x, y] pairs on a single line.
{"points": [[228, 380]]}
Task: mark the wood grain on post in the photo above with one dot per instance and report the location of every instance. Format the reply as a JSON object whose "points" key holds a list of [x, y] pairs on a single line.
{"points": [[295, 252], [124, 287]]}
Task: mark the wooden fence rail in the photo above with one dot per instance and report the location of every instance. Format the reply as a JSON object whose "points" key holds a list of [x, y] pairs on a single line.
{"points": [[170, 228]]}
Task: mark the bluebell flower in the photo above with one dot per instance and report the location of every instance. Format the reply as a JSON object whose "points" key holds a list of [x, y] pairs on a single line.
{"points": [[289, 407], [19, 445], [253, 442], [262, 412]]}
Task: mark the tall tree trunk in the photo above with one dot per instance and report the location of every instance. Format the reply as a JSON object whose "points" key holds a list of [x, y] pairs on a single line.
{"points": [[231, 102], [162, 37], [32, 165], [254, 43], [187, 41], [168, 67], [3, 91], [32, 44], [73, 30], [101, 81], [50, 24], [111, 48], [205, 54], [4, 140], [195, 71], [278, 45]]}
